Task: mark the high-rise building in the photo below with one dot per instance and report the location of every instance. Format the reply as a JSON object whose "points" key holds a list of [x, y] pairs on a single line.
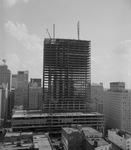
{"points": [[35, 96], [36, 81], [117, 107], [22, 79], [14, 81], [97, 97], [21, 92], [5, 76], [66, 75], [3, 102], [5, 79]]}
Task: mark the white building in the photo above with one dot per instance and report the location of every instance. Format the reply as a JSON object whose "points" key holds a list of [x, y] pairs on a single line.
{"points": [[117, 107], [120, 138]]}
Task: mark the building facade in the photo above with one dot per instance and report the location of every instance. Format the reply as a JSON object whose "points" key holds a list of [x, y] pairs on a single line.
{"points": [[97, 97], [83, 138], [37, 120], [35, 96], [120, 138], [5, 76], [36, 80], [21, 92], [66, 75], [117, 107], [14, 81], [3, 102]]}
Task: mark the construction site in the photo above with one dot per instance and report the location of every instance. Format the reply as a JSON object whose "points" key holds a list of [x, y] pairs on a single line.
{"points": [[66, 75]]}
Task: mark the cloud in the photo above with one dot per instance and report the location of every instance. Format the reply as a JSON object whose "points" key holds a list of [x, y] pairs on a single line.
{"points": [[10, 3], [19, 31], [13, 62]]}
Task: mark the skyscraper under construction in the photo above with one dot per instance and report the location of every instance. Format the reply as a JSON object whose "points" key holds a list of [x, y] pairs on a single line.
{"points": [[66, 75]]}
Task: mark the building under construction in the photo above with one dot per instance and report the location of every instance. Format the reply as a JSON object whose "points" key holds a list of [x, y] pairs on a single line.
{"points": [[66, 75]]}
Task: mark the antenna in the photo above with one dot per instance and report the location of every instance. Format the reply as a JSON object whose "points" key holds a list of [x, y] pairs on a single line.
{"points": [[48, 33], [78, 30], [53, 31]]}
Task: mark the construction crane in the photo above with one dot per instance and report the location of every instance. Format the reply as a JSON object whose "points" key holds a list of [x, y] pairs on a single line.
{"points": [[48, 33], [78, 30]]}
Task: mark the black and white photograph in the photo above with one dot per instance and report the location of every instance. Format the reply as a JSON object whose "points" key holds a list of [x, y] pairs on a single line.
{"points": [[65, 74]]}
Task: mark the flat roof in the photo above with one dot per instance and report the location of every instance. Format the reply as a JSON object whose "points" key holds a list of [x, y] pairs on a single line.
{"points": [[69, 130], [41, 142], [101, 141], [10, 134], [24, 113], [89, 130], [10, 146], [121, 133]]}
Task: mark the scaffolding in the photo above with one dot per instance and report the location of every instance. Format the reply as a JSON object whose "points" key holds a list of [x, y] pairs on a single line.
{"points": [[66, 75]]}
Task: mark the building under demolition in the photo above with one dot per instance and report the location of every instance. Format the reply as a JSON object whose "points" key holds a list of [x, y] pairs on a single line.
{"points": [[66, 75]]}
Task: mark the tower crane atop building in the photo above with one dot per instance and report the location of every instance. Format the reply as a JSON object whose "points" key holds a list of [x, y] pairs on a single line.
{"points": [[48, 33]]}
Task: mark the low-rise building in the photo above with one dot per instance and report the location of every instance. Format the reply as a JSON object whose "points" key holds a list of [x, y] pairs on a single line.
{"points": [[26, 141], [37, 120], [83, 138], [41, 142], [72, 139], [96, 144], [120, 138]]}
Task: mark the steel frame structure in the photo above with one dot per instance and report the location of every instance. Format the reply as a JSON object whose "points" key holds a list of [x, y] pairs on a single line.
{"points": [[66, 75]]}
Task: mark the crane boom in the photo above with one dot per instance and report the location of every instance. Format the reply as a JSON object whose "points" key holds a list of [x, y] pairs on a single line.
{"points": [[48, 33]]}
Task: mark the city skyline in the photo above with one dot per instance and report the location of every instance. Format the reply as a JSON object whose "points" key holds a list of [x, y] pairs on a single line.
{"points": [[105, 23]]}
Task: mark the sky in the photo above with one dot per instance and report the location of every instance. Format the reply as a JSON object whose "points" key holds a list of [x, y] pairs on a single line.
{"points": [[106, 23]]}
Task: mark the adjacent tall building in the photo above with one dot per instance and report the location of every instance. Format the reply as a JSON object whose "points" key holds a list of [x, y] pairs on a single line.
{"points": [[5, 82], [97, 97], [35, 95], [66, 75], [5, 76], [21, 92], [117, 107]]}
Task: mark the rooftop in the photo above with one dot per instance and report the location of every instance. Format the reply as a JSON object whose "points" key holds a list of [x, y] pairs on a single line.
{"points": [[121, 133], [101, 141], [89, 130], [16, 134], [71, 130], [41, 142], [24, 113]]}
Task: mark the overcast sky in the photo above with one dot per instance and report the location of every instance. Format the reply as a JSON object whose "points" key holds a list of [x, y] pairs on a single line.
{"points": [[106, 23]]}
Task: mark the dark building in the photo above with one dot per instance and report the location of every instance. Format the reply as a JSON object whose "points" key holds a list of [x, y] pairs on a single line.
{"points": [[66, 75], [36, 80]]}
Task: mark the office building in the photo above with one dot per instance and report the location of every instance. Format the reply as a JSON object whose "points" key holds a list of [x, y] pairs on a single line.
{"points": [[120, 138], [72, 138], [14, 81], [117, 107], [97, 97], [66, 75], [36, 80], [21, 92], [37, 120], [5, 76], [3, 102], [35, 96]]}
